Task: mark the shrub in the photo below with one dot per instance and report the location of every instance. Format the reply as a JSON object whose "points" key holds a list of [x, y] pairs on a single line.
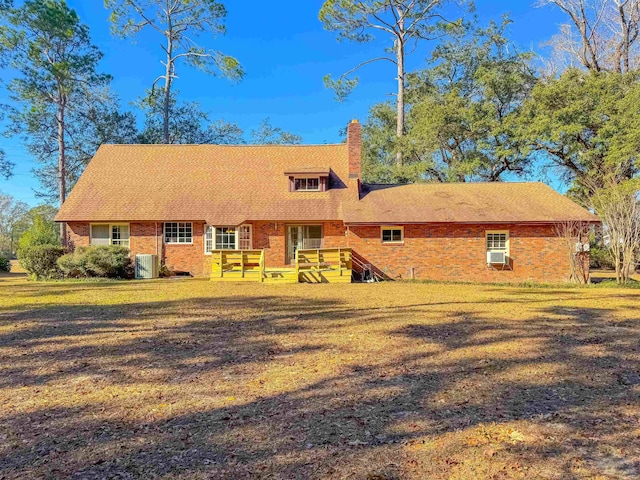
{"points": [[5, 264], [97, 261], [40, 233], [165, 271], [599, 258], [41, 261]]}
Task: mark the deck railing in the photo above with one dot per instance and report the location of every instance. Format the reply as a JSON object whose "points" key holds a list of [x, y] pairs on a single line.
{"points": [[317, 265], [237, 265], [324, 265]]}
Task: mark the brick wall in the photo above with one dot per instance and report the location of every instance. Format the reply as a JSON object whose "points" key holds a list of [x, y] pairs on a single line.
{"points": [[178, 257], [458, 253], [77, 234], [271, 237], [354, 146], [436, 252]]}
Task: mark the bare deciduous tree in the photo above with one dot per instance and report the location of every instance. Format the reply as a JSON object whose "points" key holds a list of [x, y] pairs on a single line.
{"points": [[575, 235], [601, 35], [619, 209]]}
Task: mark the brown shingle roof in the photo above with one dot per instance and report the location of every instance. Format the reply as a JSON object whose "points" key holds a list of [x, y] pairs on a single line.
{"points": [[463, 203], [223, 185], [227, 185]]}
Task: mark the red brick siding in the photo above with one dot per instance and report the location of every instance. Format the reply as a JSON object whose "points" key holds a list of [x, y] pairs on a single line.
{"points": [[458, 252], [271, 236], [77, 234], [188, 257], [354, 145], [436, 252], [179, 257]]}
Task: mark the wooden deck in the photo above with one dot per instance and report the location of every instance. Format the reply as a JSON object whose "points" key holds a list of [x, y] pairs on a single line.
{"points": [[324, 265], [319, 265]]}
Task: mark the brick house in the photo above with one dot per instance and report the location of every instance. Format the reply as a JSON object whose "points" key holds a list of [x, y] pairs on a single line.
{"points": [[182, 202]]}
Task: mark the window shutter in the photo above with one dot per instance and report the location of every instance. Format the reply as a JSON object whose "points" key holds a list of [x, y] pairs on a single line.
{"points": [[292, 186], [323, 183]]}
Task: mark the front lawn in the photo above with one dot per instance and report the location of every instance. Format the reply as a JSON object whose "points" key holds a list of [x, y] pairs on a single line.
{"points": [[191, 379]]}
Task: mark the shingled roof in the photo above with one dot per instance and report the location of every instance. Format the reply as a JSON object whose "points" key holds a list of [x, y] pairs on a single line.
{"points": [[222, 185], [495, 202], [228, 185]]}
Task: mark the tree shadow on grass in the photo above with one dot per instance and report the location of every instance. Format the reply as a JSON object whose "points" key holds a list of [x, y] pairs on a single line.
{"points": [[570, 369]]}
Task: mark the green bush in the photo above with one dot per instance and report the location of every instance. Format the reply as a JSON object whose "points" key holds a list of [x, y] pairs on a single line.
{"points": [[41, 261], [97, 261], [599, 258], [5, 264], [40, 233]]}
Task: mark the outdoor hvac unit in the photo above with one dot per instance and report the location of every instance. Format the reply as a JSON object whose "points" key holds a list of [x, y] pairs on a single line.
{"points": [[496, 258], [146, 266]]}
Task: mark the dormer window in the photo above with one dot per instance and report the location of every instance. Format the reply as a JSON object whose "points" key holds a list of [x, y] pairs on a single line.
{"points": [[309, 179], [306, 184]]}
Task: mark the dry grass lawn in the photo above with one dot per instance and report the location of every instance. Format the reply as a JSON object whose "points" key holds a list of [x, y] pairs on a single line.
{"points": [[187, 379]]}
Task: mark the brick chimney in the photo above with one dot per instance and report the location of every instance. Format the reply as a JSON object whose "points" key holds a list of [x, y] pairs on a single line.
{"points": [[354, 143]]}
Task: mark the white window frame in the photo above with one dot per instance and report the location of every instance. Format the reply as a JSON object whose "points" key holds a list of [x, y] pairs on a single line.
{"points": [[250, 228], [210, 231], [306, 179], [111, 225], [164, 233], [209, 238], [392, 242], [493, 249]]}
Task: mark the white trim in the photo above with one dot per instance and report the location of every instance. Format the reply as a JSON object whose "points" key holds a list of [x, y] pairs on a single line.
{"points": [[164, 235], [110, 226], [204, 238], [392, 242], [507, 243], [250, 236], [237, 236]]}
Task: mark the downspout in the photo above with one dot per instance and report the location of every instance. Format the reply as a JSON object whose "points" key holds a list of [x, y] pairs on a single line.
{"points": [[156, 238]]}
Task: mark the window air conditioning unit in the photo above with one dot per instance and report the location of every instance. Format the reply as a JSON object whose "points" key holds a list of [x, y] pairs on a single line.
{"points": [[147, 266], [496, 258], [582, 247]]}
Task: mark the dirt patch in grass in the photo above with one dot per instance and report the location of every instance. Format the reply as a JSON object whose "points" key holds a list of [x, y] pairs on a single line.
{"points": [[192, 379]]}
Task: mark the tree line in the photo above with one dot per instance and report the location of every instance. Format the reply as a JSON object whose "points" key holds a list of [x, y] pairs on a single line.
{"points": [[481, 109], [62, 107], [478, 109]]}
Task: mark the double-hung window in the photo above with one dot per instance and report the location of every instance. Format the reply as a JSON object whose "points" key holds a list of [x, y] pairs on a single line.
{"points": [[497, 247], [228, 238], [107, 234], [498, 241], [178, 232]]}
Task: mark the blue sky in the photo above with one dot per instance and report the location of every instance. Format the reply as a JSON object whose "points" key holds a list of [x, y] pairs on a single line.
{"points": [[285, 52]]}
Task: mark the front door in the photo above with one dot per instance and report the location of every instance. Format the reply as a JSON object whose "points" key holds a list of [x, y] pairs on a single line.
{"points": [[301, 237]]}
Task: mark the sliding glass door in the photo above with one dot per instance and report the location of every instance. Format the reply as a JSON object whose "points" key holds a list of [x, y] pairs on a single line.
{"points": [[301, 237]]}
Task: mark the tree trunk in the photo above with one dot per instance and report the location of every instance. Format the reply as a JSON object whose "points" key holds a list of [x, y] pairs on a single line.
{"points": [[400, 99], [62, 164], [166, 110]]}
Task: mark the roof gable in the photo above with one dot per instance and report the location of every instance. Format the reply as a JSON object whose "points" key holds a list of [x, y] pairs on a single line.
{"points": [[220, 184]]}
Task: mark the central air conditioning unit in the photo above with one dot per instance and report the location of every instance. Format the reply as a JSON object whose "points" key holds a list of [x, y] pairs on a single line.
{"points": [[147, 266], [496, 258]]}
